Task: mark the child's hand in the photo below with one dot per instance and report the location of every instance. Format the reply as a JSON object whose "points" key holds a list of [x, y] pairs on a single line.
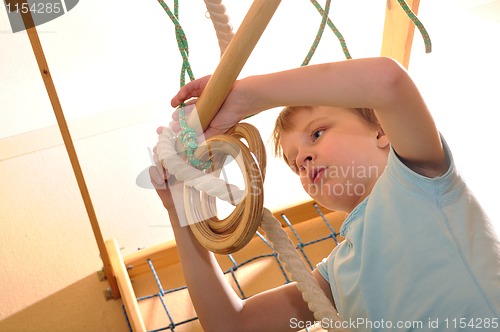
{"points": [[192, 89], [161, 180], [234, 109]]}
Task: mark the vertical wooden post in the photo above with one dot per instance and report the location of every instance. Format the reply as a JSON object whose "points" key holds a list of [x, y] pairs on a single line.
{"points": [[125, 286], [68, 142], [398, 31]]}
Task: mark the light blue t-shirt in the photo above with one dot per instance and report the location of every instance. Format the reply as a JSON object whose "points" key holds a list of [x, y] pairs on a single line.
{"points": [[419, 254]]}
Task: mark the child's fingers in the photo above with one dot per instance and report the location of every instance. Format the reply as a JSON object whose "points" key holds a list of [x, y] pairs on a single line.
{"points": [[186, 92], [161, 171], [162, 174], [159, 130], [191, 102], [175, 126], [188, 109], [190, 90], [179, 97], [156, 179], [159, 166], [175, 115]]}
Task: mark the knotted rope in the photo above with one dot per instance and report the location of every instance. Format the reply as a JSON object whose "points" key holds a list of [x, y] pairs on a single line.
{"points": [[234, 232]]}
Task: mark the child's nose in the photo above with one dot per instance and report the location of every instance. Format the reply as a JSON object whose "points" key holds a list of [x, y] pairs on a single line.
{"points": [[305, 160]]}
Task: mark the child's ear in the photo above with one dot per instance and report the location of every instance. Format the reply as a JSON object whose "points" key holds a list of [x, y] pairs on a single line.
{"points": [[382, 139]]}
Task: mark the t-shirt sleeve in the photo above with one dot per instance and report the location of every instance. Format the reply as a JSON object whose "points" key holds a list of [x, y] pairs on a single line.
{"points": [[323, 270], [431, 188]]}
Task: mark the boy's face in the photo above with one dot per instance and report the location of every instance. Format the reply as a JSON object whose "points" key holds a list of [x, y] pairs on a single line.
{"points": [[337, 155]]}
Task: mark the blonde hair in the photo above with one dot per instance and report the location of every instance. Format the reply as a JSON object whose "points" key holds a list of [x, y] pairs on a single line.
{"points": [[284, 123]]}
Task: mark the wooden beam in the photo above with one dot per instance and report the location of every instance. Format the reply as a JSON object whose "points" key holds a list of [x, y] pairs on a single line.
{"points": [[68, 142], [398, 31], [125, 286]]}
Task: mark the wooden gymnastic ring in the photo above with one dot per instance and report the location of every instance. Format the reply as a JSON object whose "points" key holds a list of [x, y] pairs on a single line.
{"points": [[236, 230], [250, 134], [255, 146]]}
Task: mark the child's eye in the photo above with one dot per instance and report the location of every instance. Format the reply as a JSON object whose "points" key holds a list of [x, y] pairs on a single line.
{"points": [[316, 134]]}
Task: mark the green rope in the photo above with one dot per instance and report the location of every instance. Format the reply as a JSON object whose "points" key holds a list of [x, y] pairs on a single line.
{"points": [[187, 135], [325, 21], [189, 138], [411, 15], [182, 43]]}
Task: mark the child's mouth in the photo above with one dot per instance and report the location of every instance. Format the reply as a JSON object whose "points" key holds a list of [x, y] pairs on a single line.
{"points": [[316, 174]]}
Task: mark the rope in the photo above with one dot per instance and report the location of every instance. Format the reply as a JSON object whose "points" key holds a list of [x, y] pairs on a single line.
{"points": [[192, 177], [325, 20], [187, 135], [411, 15], [181, 40], [189, 139], [311, 292], [220, 20]]}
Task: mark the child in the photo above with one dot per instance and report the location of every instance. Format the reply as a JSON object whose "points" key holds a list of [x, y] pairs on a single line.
{"points": [[419, 253]]}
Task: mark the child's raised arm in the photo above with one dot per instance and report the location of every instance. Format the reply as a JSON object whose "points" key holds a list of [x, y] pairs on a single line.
{"points": [[378, 83]]}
